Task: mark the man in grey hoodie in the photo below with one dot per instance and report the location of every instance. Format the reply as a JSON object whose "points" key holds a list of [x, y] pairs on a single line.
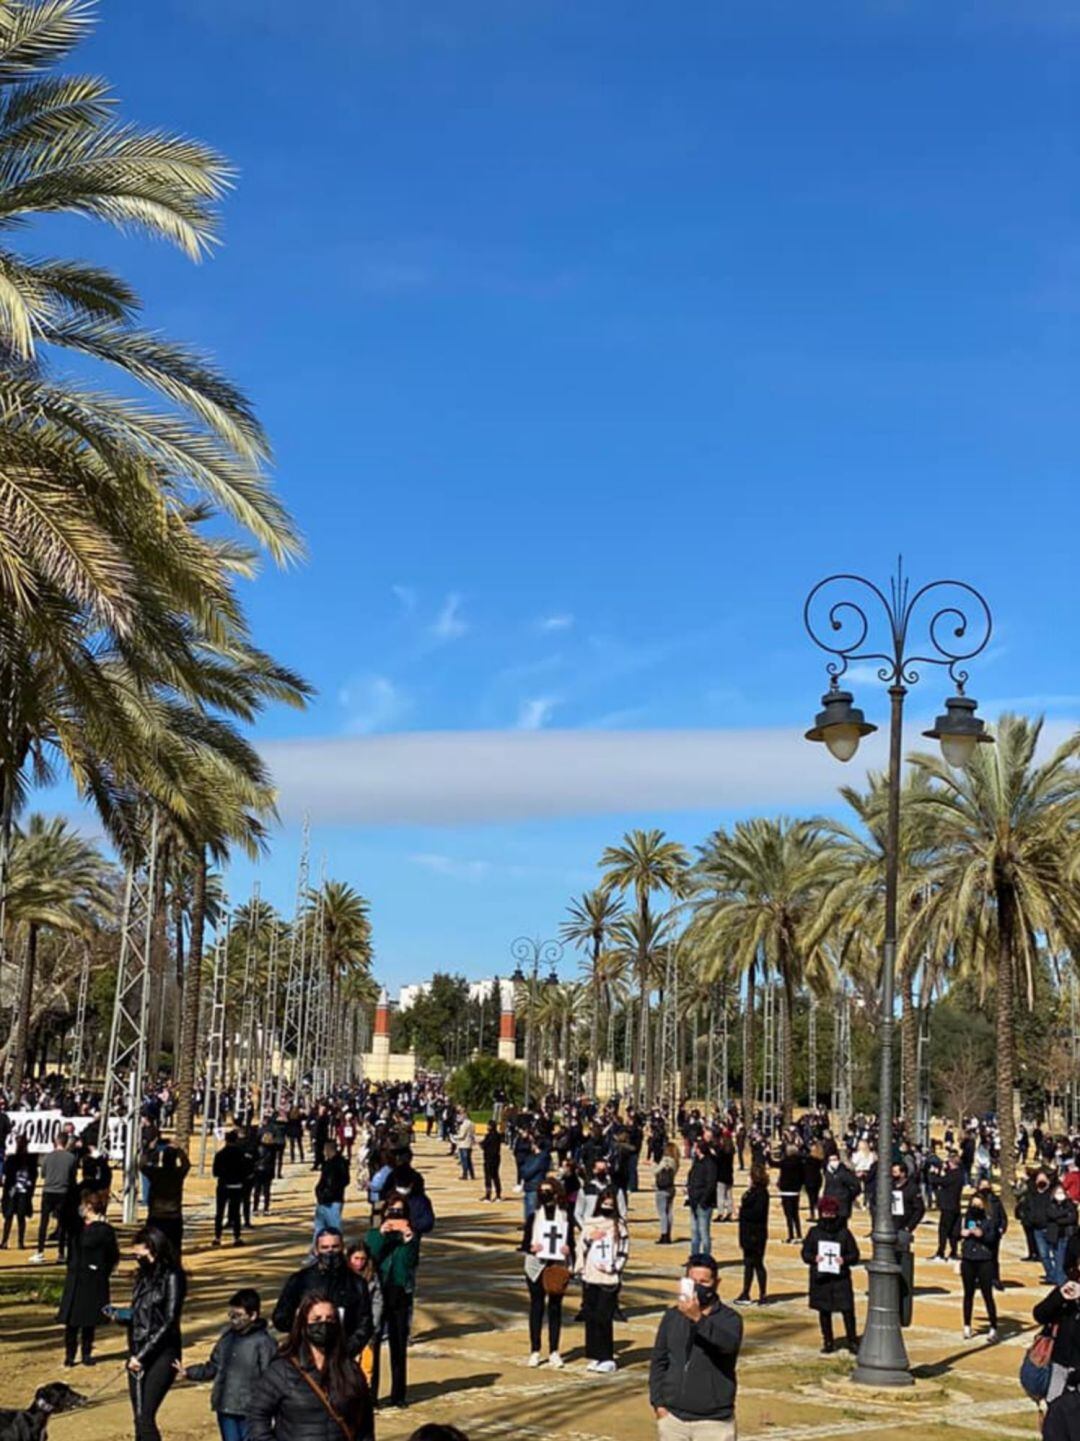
{"points": [[57, 1179]]}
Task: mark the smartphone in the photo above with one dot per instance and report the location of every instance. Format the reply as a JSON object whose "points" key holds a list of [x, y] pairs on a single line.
{"points": [[686, 1289]]}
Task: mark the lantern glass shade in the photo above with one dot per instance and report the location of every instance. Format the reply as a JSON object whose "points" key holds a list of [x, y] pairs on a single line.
{"points": [[842, 741], [958, 750]]}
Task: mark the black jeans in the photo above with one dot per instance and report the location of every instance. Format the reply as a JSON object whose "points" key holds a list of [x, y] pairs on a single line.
{"points": [[52, 1205], [396, 1319], [538, 1297], [492, 1183], [754, 1265], [261, 1193], [296, 1143], [231, 1199], [172, 1228], [790, 1206], [17, 1212], [825, 1319], [948, 1233], [599, 1307], [979, 1274], [147, 1391], [72, 1336]]}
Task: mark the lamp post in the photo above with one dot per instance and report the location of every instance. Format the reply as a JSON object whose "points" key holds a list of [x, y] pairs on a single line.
{"points": [[940, 614], [527, 951]]}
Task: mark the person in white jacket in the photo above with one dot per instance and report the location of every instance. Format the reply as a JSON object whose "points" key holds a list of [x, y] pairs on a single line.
{"points": [[465, 1140], [603, 1250]]}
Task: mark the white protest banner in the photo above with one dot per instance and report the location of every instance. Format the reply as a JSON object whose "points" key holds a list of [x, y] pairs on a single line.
{"points": [[42, 1127]]}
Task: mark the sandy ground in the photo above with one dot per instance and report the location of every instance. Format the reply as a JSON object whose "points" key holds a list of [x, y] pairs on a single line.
{"points": [[467, 1360]]}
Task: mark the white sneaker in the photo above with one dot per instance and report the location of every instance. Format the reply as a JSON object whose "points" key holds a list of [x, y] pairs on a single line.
{"points": [[592, 1365], [535, 1359], [991, 1336], [606, 1367], [518, 1189], [38, 1258], [967, 1333], [556, 1360]]}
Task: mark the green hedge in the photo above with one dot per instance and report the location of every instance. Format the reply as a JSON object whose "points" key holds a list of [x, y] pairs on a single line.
{"points": [[473, 1084]]}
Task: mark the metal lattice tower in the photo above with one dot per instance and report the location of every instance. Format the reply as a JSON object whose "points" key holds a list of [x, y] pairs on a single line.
{"points": [[841, 1091], [269, 1036], [125, 1068], [811, 1053], [78, 1056], [768, 1057], [319, 989], [245, 1058], [215, 1065], [669, 1038], [292, 1037]]}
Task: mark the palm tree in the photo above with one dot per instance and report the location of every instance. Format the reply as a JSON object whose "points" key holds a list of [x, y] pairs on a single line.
{"points": [[1004, 835], [344, 917], [762, 884], [645, 862], [591, 918], [58, 880]]}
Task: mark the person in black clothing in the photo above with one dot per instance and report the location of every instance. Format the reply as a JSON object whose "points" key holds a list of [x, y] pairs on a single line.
{"points": [[790, 1184], [92, 1258], [977, 1263], [320, 1134], [813, 1177], [830, 1250], [754, 1233], [265, 1168], [153, 1322], [95, 1173], [1060, 1309], [294, 1132], [230, 1172], [999, 1223], [692, 1375], [20, 1178], [950, 1190], [842, 1184], [332, 1278], [724, 1151], [165, 1170], [1062, 1419], [701, 1196], [491, 1150], [313, 1390]]}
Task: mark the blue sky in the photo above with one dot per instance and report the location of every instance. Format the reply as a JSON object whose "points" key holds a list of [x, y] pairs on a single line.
{"points": [[589, 336]]}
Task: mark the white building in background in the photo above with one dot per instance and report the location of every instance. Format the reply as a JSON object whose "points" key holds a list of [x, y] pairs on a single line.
{"points": [[478, 991]]}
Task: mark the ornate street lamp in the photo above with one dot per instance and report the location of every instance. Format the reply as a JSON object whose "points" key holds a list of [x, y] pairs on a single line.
{"points": [[527, 951], [942, 612]]}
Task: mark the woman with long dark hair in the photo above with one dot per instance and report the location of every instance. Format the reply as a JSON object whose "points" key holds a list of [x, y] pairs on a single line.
{"points": [[754, 1233], [313, 1390], [153, 1322], [548, 1244]]}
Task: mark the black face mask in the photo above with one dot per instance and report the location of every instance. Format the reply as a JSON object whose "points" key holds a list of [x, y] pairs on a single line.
{"points": [[706, 1296], [329, 1260], [321, 1333]]}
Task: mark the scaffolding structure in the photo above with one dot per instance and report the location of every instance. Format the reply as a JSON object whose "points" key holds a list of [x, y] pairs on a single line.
{"points": [[215, 1065], [769, 1092], [841, 1087], [811, 1054], [297, 1008], [125, 1068], [269, 1030], [78, 1051], [669, 1032], [244, 1065]]}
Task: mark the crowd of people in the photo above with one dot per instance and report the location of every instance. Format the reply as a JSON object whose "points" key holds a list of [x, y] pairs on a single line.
{"points": [[332, 1346]]}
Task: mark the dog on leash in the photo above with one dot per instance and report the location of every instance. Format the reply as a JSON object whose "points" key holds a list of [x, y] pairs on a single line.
{"points": [[31, 1424]]}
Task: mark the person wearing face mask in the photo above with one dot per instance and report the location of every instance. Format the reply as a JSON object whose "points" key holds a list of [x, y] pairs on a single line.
{"points": [[394, 1249], [950, 1190], [241, 1354], [754, 1233], [1000, 1224], [598, 1183], [1052, 1218], [603, 1250], [842, 1184], [830, 1250], [548, 1244], [153, 1326], [330, 1277], [977, 1263], [313, 1390], [92, 1259], [692, 1373]]}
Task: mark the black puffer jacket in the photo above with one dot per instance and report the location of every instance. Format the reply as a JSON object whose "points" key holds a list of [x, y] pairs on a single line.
{"points": [[235, 1365], [284, 1407], [1054, 1310], [153, 1318], [347, 1291]]}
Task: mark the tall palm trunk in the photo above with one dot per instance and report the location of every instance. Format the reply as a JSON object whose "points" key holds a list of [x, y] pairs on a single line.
{"points": [[1006, 1050], [749, 1048], [594, 1024], [20, 1040], [643, 1070], [189, 1016]]}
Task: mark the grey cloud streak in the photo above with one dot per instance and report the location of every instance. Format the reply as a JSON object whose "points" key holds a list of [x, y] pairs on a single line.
{"points": [[469, 777]]}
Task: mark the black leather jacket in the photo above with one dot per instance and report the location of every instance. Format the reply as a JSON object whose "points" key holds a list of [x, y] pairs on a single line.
{"points": [[153, 1318]]}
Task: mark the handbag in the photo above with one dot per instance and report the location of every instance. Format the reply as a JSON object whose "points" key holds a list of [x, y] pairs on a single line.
{"points": [[1036, 1367], [331, 1410], [555, 1278]]}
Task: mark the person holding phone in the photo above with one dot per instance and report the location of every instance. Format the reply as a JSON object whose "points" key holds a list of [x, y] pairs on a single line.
{"points": [[692, 1374], [395, 1250], [1060, 1308], [153, 1325], [977, 1263]]}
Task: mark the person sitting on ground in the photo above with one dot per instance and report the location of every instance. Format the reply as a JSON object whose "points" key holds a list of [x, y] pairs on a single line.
{"points": [[692, 1374], [241, 1354]]}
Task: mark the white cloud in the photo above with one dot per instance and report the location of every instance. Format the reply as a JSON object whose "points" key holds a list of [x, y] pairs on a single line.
{"points": [[447, 866], [449, 623], [374, 703], [535, 714], [561, 621], [460, 777]]}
